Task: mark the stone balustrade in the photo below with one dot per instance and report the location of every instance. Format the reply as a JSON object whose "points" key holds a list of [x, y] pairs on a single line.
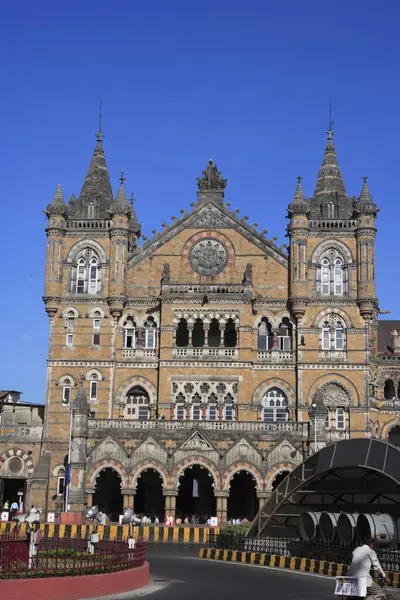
{"points": [[291, 427]]}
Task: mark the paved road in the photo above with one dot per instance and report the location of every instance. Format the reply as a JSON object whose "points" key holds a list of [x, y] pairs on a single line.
{"points": [[185, 577]]}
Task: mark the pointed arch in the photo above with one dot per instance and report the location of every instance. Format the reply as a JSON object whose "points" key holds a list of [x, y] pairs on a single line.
{"points": [[149, 464], [277, 470], [341, 248], [126, 385], [100, 465], [82, 245], [242, 466], [201, 461], [340, 381], [273, 382]]}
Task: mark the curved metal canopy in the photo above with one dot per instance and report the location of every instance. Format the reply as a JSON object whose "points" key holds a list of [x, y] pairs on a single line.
{"points": [[358, 475]]}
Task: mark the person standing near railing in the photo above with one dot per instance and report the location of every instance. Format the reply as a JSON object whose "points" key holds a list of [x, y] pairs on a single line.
{"points": [[363, 562]]}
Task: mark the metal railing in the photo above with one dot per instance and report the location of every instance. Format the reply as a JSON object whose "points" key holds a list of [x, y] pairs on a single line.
{"points": [[61, 557], [342, 554]]}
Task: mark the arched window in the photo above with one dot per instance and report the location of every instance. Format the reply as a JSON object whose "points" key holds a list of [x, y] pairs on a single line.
{"points": [[332, 275], [212, 412], [198, 334], [265, 335], [333, 334], [196, 410], [338, 277], [93, 387], [325, 277], [389, 391], [339, 336], [130, 333], [230, 334], [61, 482], [70, 326], [274, 406], [137, 404], [285, 333], [180, 411], [86, 275], [326, 336], [96, 328], [150, 329], [214, 334], [182, 334], [66, 392], [229, 408]]}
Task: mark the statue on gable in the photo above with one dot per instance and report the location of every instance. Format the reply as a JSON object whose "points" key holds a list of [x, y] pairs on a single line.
{"points": [[211, 179], [166, 274], [248, 275]]}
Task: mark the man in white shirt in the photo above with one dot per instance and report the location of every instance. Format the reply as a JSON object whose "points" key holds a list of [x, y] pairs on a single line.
{"points": [[364, 560]]}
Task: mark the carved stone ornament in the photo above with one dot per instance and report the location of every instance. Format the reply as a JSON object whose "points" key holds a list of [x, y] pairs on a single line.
{"points": [[208, 256], [211, 179], [166, 274], [248, 275]]}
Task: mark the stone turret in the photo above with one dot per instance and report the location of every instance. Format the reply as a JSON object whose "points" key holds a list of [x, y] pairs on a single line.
{"points": [[367, 211], [298, 229], [120, 211], [57, 214]]}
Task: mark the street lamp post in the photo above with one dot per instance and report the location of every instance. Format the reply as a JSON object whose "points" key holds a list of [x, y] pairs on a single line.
{"points": [[314, 407], [68, 478]]}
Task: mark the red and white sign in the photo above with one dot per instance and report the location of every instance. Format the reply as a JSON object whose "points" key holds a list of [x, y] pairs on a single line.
{"points": [[169, 520], [20, 493], [4, 516], [213, 521]]}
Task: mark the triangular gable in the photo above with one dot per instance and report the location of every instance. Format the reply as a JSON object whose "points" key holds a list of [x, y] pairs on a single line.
{"points": [[108, 448], [243, 449], [284, 452], [150, 448], [210, 216], [196, 441]]}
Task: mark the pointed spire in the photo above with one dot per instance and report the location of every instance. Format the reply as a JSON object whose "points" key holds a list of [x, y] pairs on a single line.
{"points": [[120, 204], [96, 188], [57, 206], [133, 209], [330, 179], [299, 193], [365, 204], [299, 204]]}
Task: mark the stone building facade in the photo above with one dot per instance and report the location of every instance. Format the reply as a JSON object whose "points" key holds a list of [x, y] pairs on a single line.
{"points": [[193, 369]]}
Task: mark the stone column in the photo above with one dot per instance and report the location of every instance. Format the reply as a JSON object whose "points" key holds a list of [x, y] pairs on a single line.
{"points": [[190, 329], [206, 328], [221, 331], [170, 502], [204, 412], [187, 408], [220, 407], [262, 498], [125, 496], [90, 494], [275, 340], [222, 501], [171, 411], [152, 411]]}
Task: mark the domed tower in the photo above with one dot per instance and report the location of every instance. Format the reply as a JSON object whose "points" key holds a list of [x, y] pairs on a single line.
{"points": [[57, 214], [298, 229], [366, 211]]}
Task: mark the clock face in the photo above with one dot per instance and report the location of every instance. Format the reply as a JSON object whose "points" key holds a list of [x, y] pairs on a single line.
{"points": [[208, 256]]}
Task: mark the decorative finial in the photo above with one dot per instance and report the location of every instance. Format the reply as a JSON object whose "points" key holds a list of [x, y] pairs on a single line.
{"points": [[122, 178], [299, 179], [99, 134], [365, 178], [330, 131]]}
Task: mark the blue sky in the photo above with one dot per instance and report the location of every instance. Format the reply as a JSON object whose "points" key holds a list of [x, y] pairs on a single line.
{"points": [[245, 83]]}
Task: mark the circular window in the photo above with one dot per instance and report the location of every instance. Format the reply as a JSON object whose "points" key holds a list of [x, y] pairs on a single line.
{"points": [[15, 466], [208, 256]]}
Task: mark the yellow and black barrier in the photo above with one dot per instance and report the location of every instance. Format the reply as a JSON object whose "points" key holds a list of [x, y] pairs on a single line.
{"points": [[149, 533], [306, 565]]}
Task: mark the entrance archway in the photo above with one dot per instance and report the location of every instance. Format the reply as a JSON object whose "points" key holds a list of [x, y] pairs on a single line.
{"points": [[149, 499], [242, 500], [196, 494], [107, 494], [394, 436], [279, 478]]}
